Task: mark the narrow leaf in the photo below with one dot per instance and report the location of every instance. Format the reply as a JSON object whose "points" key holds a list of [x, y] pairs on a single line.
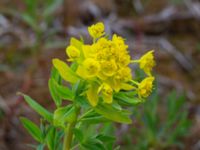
{"points": [[78, 134], [113, 114], [38, 108], [65, 71], [127, 99], [32, 129], [52, 88]]}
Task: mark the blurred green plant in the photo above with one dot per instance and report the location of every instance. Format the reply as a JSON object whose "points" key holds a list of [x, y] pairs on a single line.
{"points": [[161, 125], [39, 16], [177, 2], [198, 47]]}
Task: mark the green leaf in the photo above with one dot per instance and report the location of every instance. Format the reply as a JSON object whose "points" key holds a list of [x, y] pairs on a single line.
{"points": [[117, 148], [32, 129], [105, 138], [93, 144], [58, 138], [40, 147], [63, 115], [79, 87], [113, 114], [94, 118], [30, 21], [38, 108], [174, 104], [31, 7], [51, 138], [55, 75], [59, 92], [127, 98], [65, 71], [52, 7], [57, 89], [78, 134], [52, 88], [64, 92]]}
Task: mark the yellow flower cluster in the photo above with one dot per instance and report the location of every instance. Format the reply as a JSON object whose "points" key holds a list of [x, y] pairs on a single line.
{"points": [[96, 30], [145, 87], [105, 66]]}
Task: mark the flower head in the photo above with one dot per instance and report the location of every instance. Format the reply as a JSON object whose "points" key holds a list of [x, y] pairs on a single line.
{"points": [[91, 67], [104, 65], [72, 52], [145, 87], [147, 62], [96, 30]]}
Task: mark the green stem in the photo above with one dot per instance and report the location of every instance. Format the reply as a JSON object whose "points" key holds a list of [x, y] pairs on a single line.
{"points": [[134, 82], [135, 61], [69, 132]]}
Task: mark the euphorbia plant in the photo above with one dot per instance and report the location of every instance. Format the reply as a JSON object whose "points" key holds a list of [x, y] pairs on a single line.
{"points": [[101, 88]]}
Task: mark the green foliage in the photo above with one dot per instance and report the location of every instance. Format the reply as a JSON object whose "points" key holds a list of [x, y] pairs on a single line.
{"points": [[53, 125], [127, 98], [32, 129], [177, 2], [156, 133], [37, 12], [113, 114], [78, 118], [63, 115], [38, 108], [58, 92], [39, 16]]}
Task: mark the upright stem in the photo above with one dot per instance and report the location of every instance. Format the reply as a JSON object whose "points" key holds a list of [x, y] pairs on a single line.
{"points": [[69, 132]]}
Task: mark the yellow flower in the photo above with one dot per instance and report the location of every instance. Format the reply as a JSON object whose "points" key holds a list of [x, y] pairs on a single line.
{"points": [[147, 62], [124, 74], [124, 60], [104, 65], [120, 79], [91, 67], [96, 30], [72, 52], [108, 68], [107, 93], [119, 41], [145, 87]]}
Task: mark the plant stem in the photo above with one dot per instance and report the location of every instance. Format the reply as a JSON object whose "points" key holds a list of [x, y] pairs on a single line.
{"points": [[69, 132]]}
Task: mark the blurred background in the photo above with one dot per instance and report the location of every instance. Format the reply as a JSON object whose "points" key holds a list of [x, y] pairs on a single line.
{"points": [[32, 32]]}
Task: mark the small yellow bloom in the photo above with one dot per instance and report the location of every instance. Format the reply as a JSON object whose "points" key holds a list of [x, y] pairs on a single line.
{"points": [[147, 62], [72, 52], [119, 41], [96, 30], [124, 74], [124, 60], [108, 68], [91, 67], [107, 93], [145, 87]]}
